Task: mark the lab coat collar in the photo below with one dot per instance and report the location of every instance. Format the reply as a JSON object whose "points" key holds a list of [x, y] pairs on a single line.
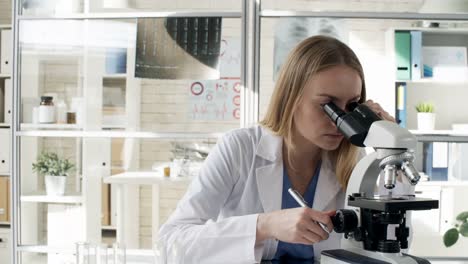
{"points": [[270, 145], [270, 176], [327, 186]]}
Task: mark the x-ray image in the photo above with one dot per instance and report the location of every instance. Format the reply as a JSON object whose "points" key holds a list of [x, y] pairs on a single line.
{"points": [[178, 48], [292, 30]]}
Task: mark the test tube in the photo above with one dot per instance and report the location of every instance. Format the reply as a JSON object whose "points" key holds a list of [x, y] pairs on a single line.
{"points": [[101, 254], [82, 253], [120, 254]]}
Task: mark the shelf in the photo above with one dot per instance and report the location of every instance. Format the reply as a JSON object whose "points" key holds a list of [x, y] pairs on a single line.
{"points": [[133, 15], [45, 249], [112, 228], [144, 177], [133, 255], [4, 224], [43, 198], [441, 135], [4, 125], [117, 134], [7, 26], [433, 81], [5, 75], [30, 126], [455, 133], [442, 183], [363, 15], [115, 76], [109, 127]]}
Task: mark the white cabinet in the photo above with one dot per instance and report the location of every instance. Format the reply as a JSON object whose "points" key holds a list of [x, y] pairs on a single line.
{"points": [[5, 52], [5, 245], [429, 226], [427, 221], [5, 148]]}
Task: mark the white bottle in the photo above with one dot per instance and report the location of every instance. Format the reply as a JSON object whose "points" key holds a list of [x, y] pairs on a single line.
{"points": [[46, 110], [61, 110]]}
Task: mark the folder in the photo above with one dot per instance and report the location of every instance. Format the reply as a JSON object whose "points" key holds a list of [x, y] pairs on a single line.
{"points": [[401, 104], [433, 152], [416, 47], [403, 55], [4, 199]]}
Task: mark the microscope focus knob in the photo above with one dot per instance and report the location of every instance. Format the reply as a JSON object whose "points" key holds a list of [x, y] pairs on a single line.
{"points": [[345, 221], [388, 246]]}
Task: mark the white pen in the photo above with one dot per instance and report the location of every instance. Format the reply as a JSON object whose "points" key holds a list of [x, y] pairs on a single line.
{"points": [[297, 196]]}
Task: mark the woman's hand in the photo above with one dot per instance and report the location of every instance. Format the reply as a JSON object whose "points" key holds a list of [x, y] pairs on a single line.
{"points": [[296, 225], [379, 111]]}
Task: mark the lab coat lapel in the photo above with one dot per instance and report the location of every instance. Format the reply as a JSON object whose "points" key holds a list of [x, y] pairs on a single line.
{"points": [[327, 186], [270, 176]]}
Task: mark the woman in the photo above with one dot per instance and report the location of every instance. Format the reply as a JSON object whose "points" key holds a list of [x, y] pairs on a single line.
{"points": [[238, 210]]}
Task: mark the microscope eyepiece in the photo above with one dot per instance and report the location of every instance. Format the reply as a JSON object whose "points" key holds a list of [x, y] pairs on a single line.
{"points": [[353, 124], [351, 106], [333, 111]]}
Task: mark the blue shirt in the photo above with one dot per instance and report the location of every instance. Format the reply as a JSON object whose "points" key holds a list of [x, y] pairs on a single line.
{"points": [[290, 250]]}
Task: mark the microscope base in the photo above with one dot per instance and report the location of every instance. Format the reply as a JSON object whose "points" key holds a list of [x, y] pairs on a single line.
{"points": [[349, 256]]}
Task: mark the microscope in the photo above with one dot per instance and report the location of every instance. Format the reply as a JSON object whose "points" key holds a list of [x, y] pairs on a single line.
{"points": [[367, 219]]}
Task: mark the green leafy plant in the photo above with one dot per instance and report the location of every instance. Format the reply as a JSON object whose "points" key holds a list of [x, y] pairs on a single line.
{"points": [[460, 228], [425, 107], [49, 163]]}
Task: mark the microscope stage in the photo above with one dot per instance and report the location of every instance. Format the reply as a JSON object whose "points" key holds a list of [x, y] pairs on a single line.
{"points": [[393, 204]]}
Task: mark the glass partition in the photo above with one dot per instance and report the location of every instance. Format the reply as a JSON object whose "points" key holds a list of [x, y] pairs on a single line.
{"points": [[374, 42], [121, 74], [67, 181]]}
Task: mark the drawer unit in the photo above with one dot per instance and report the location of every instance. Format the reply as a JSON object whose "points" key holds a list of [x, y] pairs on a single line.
{"points": [[5, 247]]}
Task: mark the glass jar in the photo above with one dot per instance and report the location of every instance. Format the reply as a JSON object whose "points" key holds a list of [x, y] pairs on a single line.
{"points": [[46, 110]]}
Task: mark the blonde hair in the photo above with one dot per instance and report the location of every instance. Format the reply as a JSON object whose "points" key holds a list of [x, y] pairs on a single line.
{"points": [[308, 58]]}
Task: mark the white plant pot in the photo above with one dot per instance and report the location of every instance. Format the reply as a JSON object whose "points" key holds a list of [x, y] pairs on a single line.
{"points": [[55, 185], [426, 121]]}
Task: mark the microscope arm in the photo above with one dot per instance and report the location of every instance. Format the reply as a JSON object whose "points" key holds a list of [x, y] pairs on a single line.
{"points": [[364, 176]]}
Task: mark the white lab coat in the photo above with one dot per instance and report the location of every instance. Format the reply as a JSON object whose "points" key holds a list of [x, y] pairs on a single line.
{"points": [[215, 222]]}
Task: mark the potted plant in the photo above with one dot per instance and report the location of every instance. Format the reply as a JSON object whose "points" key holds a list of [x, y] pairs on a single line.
{"points": [[426, 116], [460, 228], [55, 171]]}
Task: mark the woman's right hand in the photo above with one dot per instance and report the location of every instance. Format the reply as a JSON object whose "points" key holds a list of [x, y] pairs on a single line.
{"points": [[296, 225]]}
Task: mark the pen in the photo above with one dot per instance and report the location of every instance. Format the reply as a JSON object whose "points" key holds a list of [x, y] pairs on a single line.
{"points": [[303, 203]]}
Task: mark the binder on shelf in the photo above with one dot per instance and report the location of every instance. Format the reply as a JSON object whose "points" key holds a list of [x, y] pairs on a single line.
{"points": [[401, 104], [403, 55], [435, 161], [4, 199], [416, 47], [7, 101], [105, 205]]}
